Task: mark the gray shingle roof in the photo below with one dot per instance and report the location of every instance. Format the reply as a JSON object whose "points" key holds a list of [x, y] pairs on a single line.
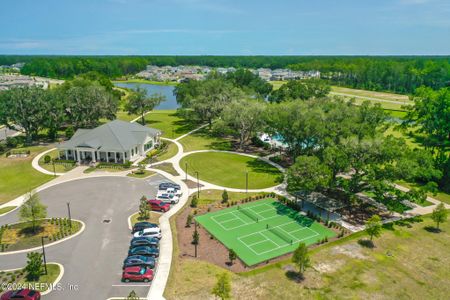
{"points": [[113, 136]]}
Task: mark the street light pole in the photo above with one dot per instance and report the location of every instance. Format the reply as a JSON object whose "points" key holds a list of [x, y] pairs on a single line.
{"points": [[186, 171], [198, 185], [196, 241], [43, 253], [68, 211], [54, 170], [246, 182]]}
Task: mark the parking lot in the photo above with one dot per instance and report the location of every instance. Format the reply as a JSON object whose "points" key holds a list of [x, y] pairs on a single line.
{"points": [[92, 260]]}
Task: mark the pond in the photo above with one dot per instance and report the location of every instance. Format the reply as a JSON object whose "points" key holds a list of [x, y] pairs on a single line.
{"points": [[165, 90]]}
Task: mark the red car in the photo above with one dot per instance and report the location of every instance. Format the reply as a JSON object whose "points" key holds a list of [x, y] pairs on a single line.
{"points": [[24, 294], [137, 274], [158, 205]]}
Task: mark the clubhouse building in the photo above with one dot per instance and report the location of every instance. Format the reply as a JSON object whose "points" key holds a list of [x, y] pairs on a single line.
{"points": [[114, 142]]}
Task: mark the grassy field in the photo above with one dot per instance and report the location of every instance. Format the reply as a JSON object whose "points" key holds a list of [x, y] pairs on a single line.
{"points": [[59, 168], [154, 218], [208, 197], [169, 123], [171, 151], [228, 170], [203, 140], [18, 177], [21, 236], [441, 196], [394, 269], [167, 167], [363, 95], [272, 230]]}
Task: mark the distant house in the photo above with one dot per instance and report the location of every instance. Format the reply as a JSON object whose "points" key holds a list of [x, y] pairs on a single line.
{"points": [[116, 142]]}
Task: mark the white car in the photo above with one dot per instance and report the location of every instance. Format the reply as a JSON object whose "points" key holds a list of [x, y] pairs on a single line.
{"points": [[171, 191], [167, 198], [149, 232]]}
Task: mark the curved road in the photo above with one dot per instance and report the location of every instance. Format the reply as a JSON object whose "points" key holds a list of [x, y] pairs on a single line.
{"points": [[98, 252]]}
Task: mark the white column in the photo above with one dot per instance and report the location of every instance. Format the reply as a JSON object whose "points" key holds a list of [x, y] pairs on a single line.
{"points": [[78, 156], [107, 156], [93, 156], [115, 157]]}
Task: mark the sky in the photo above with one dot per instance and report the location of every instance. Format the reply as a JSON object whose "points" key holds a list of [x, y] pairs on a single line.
{"points": [[225, 27]]}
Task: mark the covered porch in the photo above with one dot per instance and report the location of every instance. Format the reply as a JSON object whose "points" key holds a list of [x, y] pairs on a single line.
{"points": [[83, 156]]}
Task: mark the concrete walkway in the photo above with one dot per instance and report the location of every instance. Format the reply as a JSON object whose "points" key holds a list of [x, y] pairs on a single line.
{"points": [[35, 163]]}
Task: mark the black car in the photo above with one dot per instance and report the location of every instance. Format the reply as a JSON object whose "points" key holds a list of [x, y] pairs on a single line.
{"points": [[167, 185], [144, 241], [143, 225], [144, 250], [139, 260]]}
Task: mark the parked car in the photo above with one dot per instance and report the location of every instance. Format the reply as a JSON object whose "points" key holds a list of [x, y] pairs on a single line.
{"points": [[167, 198], [139, 260], [144, 251], [158, 205], [24, 294], [144, 241], [172, 191], [143, 225], [166, 185], [137, 274], [149, 232]]}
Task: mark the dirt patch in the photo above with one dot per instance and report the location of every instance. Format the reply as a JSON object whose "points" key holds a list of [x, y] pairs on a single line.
{"points": [[350, 250], [192, 184], [328, 266]]}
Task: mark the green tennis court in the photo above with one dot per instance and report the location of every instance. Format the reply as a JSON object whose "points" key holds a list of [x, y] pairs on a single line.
{"points": [[261, 230]]}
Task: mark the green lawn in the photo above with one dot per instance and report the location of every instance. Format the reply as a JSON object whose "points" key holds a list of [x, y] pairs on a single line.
{"points": [[19, 276], [154, 218], [208, 197], [170, 123], [229, 170], [59, 168], [203, 140], [170, 152], [372, 94], [441, 196], [262, 230], [18, 177], [167, 167], [145, 174], [21, 236], [394, 269]]}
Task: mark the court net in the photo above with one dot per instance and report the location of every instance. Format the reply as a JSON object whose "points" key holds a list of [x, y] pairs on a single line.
{"points": [[280, 234], [248, 213]]}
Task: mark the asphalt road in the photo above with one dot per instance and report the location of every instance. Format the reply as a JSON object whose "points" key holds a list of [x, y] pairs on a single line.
{"points": [[92, 260]]}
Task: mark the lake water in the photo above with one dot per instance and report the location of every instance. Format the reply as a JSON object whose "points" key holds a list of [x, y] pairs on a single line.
{"points": [[165, 90]]}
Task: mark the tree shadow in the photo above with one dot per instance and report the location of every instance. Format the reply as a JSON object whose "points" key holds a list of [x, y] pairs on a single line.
{"points": [[366, 243], [294, 276], [432, 229], [30, 231]]}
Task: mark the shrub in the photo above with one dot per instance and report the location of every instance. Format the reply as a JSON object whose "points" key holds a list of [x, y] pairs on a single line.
{"points": [[69, 132], [194, 201], [47, 159], [11, 142]]}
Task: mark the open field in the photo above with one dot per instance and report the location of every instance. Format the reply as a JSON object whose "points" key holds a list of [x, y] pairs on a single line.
{"points": [[262, 230], [202, 140], [227, 169], [18, 177], [169, 123], [394, 269]]}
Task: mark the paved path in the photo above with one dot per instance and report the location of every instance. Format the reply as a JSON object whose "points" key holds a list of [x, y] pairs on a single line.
{"points": [[35, 163], [370, 98]]}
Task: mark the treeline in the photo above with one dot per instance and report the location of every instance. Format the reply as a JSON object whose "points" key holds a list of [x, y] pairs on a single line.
{"points": [[396, 74], [66, 67], [401, 74], [78, 103]]}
